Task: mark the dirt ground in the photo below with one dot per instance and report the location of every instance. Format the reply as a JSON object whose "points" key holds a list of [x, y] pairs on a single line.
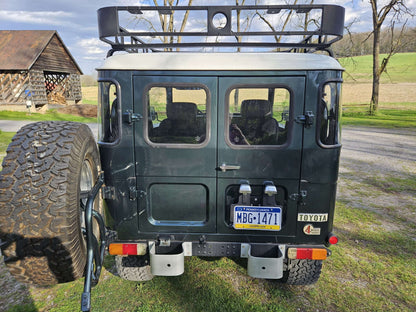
{"points": [[389, 93], [83, 110], [375, 165]]}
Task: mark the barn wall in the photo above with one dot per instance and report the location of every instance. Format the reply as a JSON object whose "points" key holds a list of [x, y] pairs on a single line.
{"points": [[13, 85], [55, 58], [37, 87], [75, 93]]}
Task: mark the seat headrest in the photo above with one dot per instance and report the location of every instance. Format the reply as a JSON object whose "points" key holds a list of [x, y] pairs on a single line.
{"points": [[181, 111], [255, 108]]}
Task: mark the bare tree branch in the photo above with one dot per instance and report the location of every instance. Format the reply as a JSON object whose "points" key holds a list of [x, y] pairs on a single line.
{"points": [[394, 46], [398, 8], [276, 38], [184, 21]]}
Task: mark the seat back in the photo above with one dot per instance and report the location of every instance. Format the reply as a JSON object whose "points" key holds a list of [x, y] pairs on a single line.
{"points": [[257, 123], [255, 109], [180, 121]]}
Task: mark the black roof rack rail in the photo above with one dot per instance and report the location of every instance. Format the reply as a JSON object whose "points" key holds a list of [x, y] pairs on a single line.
{"points": [[327, 19]]}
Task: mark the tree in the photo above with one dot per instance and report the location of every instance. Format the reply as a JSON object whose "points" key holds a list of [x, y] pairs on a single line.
{"points": [[396, 8], [167, 24]]}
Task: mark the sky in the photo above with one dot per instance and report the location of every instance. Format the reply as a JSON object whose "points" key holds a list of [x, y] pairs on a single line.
{"points": [[76, 21]]}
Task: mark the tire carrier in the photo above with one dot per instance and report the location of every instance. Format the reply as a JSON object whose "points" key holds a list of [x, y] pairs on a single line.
{"points": [[95, 251]]}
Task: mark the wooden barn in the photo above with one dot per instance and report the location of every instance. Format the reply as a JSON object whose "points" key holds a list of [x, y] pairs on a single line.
{"points": [[35, 65]]}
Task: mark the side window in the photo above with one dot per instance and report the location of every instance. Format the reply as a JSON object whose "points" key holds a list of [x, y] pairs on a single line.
{"points": [[109, 113], [177, 114], [329, 114], [258, 116]]}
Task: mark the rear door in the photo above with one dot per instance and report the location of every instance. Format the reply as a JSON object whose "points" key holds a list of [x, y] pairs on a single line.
{"points": [[175, 147], [259, 143], [202, 136]]}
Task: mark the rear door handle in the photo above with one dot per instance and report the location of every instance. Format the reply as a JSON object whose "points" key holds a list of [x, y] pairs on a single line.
{"points": [[225, 167]]}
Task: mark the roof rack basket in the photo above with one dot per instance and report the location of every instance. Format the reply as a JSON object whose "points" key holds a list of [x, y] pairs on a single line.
{"points": [[206, 28]]}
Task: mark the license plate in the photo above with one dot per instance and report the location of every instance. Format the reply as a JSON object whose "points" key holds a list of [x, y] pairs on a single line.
{"points": [[257, 218]]}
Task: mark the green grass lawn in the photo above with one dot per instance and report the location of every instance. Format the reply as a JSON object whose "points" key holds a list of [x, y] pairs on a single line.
{"points": [[401, 68], [50, 115], [385, 118], [5, 139]]}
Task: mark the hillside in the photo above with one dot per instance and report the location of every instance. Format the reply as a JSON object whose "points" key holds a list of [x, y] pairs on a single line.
{"points": [[401, 68]]}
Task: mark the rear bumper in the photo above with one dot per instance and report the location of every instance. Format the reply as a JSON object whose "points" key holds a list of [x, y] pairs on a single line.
{"points": [[263, 260]]}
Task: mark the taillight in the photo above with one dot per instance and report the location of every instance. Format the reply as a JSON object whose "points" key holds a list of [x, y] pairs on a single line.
{"points": [[332, 239], [307, 253], [126, 249]]}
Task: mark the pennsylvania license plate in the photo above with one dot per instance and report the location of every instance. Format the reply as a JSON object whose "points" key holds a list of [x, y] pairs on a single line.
{"points": [[257, 218]]}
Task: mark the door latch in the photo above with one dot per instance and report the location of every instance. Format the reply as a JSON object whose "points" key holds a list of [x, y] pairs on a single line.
{"points": [[307, 120], [130, 117]]}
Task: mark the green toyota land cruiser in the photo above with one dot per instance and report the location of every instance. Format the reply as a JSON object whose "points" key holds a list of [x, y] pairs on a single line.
{"points": [[210, 148]]}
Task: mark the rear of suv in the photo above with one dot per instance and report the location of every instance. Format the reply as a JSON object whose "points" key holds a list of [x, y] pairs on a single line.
{"points": [[222, 154], [209, 154]]}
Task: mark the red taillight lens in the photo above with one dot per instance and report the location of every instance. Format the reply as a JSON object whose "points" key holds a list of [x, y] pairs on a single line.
{"points": [[332, 239], [130, 249], [123, 249], [304, 253]]}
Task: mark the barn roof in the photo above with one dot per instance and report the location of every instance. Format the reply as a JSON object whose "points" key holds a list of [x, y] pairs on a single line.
{"points": [[20, 49]]}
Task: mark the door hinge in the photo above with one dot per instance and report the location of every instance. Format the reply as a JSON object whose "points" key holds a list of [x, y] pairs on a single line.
{"points": [[109, 192], [299, 197], [130, 117], [133, 193], [307, 120]]}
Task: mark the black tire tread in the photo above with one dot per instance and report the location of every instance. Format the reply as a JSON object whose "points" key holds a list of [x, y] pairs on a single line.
{"points": [[38, 185], [302, 272]]}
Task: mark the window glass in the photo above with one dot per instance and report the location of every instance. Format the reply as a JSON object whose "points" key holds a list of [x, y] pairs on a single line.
{"points": [[108, 114], [258, 116], [177, 114], [329, 114]]}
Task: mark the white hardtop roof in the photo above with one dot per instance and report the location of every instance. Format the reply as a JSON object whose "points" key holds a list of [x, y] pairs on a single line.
{"points": [[220, 61]]}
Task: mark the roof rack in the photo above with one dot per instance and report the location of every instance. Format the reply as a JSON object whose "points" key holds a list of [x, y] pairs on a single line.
{"points": [[220, 27]]}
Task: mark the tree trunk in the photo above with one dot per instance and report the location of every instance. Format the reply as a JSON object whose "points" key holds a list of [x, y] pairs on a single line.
{"points": [[376, 72]]}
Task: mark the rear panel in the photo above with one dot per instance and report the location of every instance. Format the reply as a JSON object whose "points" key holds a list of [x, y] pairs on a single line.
{"points": [[186, 184]]}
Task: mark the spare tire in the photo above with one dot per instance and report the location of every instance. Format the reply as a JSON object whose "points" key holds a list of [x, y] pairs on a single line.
{"points": [[47, 173]]}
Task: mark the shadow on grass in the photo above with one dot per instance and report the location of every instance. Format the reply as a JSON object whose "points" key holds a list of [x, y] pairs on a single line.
{"points": [[221, 286]]}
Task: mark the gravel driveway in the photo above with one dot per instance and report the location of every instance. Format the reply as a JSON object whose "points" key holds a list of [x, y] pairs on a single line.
{"points": [[377, 172]]}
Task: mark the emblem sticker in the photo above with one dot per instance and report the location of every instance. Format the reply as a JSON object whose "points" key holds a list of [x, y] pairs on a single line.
{"points": [[308, 229], [313, 217]]}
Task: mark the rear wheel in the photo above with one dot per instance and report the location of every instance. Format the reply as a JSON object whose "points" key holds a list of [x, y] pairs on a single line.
{"points": [[47, 173], [302, 272]]}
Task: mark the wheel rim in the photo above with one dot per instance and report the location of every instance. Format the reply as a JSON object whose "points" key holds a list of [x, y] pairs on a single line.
{"points": [[85, 185], [86, 182]]}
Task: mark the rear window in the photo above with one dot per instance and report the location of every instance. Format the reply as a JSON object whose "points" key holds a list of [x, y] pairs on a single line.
{"points": [[109, 117], [258, 116], [177, 114], [329, 114]]}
